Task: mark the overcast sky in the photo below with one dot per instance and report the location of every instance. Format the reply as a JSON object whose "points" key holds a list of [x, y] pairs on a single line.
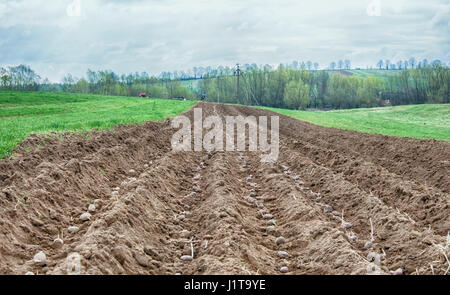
{"points": [[56, 37]]}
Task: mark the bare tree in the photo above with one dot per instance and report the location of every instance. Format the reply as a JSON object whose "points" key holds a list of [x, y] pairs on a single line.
{"points": [[332, 65], [347, 64], [380, 64], [412, 62]]}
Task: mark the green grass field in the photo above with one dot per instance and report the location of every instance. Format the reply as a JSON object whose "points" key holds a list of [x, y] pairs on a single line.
{"points": [[23, 113], [429, 121], [374, 73]]}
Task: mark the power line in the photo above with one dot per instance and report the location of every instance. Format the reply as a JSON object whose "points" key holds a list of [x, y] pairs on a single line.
{"points": [[238, 74]]}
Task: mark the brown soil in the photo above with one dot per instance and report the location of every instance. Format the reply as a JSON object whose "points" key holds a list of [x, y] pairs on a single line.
{"points": [[171, 200]]}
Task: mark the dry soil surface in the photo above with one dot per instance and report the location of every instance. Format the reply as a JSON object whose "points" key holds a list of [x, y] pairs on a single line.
{"points": [[308, 213]]}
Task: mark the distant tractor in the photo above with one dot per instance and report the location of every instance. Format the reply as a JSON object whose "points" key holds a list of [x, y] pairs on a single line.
{"points": [[385, 99], [143, 95], [386, 102]]}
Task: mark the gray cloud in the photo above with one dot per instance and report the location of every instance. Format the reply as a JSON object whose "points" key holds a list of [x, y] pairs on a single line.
{"points": [[155, 36]]}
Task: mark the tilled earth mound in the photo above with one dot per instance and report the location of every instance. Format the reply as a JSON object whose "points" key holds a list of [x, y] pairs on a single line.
{"points": [[151, 208]]}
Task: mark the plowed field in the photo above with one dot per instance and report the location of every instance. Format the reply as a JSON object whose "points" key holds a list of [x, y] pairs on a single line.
{"points": [[310, 212]]}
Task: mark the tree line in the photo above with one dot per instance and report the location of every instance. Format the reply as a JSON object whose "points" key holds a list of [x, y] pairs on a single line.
{"points": [[301, 89], [295, 86], [20, 77], [411, 63]]}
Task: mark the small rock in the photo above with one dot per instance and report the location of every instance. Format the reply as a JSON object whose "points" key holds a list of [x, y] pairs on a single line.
{"points": [[327, 209], [280, 240], [267, 216], [181, 217], [272, 221], [335, 213], [91, 208], [284, 269], [260, 206], [29, 273], [317, 200], [58, 243], [132, 172], [141, 260], [223, 214], [253, 194], [282, 254], [251, 200], [145, 166], [85, 216], [368, 245], [186, 258], [398, 272], [73, 229], [270, 229], [116, 189], [347, 225], [40, 258]]}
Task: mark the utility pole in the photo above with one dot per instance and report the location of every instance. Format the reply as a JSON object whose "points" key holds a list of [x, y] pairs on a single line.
{"points": [[238, 74]]}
